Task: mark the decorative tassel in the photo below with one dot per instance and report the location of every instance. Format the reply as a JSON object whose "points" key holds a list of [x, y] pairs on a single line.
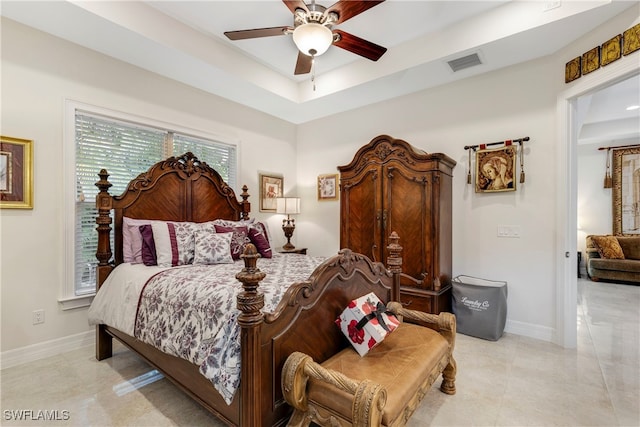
{"points": [[608, 182], [521, 162], [469, 169]]}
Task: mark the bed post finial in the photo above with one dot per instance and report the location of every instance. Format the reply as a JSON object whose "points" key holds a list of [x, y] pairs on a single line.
{"points": [[104, 206], [250, 303], [250, 276], [246, 205], [394, 264]]}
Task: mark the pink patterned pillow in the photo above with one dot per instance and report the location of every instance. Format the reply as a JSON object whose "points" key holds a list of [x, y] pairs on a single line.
{"points": [[258, 236], [239, 239], [132, 240], [173, 242]]}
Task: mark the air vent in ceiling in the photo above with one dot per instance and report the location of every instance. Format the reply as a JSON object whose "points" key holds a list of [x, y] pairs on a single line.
{"points": [[464, 62]]}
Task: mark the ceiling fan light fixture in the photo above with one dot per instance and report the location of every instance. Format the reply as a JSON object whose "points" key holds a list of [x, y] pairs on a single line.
{"points": [[312, 39]]}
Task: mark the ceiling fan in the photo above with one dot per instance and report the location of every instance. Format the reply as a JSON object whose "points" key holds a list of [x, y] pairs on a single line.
{"points": [[313, 34]]}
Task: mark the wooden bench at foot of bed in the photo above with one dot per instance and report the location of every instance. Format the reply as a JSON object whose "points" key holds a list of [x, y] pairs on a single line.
{"points": [[382, 388]]}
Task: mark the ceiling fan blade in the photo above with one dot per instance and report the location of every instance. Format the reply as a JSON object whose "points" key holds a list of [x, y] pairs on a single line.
{"points": [[256, 32], [347, 9], [303, 64], [295, 4], [359, 46]]}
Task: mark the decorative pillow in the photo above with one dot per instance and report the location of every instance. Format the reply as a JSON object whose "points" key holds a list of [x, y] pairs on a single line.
{"points": [[265, 225], [173, 242], [608, 247], [231, 223], [149, 256], [212, 248], [132, 240], [366, 322], [239, 239], [258, 236], [208, 227]]}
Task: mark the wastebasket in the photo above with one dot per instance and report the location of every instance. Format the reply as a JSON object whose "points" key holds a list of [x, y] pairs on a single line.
{"points": [[480, 306]]}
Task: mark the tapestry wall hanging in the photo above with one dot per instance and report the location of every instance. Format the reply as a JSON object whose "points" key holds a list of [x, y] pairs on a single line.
{"points": [[496, 167]]}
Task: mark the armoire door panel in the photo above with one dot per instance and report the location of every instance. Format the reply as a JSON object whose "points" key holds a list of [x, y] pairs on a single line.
{"points": [[407, 200], [362, 215]]}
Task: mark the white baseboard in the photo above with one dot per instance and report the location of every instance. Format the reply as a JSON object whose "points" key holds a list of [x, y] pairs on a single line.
{"points": [[45, 349], [530, 330]]}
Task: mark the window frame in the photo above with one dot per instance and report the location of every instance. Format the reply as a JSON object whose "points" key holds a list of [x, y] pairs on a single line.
{"points": [[68, 298]]}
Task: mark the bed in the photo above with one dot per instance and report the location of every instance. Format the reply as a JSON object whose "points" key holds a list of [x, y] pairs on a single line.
{"points": [[185, 189]]}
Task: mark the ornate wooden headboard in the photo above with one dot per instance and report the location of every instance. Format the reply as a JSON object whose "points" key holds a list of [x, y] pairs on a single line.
{"points": [[176, 189]]}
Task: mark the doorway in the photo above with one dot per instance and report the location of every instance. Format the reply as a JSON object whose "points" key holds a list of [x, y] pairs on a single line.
{"points": [[566, 279]]}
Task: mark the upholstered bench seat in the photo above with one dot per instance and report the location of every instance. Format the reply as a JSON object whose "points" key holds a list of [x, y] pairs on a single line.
{"points": [[384, 387]]}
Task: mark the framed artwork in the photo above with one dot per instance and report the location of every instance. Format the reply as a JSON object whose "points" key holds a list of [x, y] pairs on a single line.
{"points": [[611, 50], [572, 69], [16, 173], [495, 169], [270, 188], [328, 187], [631, 40], [591, 60], [626, 191]]}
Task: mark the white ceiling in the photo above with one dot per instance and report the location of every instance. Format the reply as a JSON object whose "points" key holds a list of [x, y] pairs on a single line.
{"points": [[184, 41]]}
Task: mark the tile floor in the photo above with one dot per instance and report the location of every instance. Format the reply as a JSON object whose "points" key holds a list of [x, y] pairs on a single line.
{"points": [[516, 381]]}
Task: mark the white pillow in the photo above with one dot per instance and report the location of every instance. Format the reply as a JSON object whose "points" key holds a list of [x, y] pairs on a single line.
{"points": [[174, 242], [212, 248]]}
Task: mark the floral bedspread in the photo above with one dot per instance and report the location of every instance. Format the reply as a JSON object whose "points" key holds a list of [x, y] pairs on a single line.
{"points": [[190, 312]]}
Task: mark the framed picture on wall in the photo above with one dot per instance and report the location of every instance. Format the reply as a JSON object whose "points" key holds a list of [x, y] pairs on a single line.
{"points": [[16, 173], [271, 187], [495, 170], [328, 187], [626, 191]]}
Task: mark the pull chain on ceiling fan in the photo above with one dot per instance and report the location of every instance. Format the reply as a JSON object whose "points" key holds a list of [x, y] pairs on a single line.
{"points": [[313, 34]]}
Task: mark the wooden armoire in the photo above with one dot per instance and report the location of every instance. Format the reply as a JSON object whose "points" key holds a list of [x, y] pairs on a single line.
{"points": [[392, 186]]}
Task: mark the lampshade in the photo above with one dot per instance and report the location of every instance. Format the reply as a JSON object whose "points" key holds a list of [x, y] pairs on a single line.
{"points": [[312, 39], [288, 205]]}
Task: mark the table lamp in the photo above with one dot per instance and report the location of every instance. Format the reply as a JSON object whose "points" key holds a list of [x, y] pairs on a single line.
{"points": [[289, 206]]}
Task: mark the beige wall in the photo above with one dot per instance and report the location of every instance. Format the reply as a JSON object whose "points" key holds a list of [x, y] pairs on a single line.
{"points": [[487, 108]]}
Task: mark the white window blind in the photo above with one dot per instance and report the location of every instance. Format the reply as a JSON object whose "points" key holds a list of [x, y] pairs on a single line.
{"points": [[125, 150]]}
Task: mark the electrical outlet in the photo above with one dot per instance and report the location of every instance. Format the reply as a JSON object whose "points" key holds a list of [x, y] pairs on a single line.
{"points": [[38, 317], [550, 5], [512, 231]]}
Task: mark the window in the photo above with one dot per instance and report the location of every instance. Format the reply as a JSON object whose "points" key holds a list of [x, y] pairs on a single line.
{"points": [[125, 149]]}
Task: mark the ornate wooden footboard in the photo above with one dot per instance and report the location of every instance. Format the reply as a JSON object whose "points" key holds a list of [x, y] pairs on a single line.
{"points": [[185, 189]]}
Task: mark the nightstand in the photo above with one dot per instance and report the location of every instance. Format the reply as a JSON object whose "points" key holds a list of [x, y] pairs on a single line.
{"points": [[302, 251]]}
